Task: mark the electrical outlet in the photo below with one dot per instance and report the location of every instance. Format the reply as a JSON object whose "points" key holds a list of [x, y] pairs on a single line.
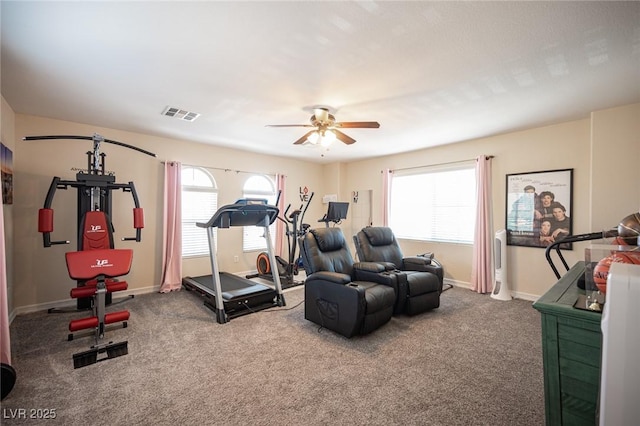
{"points": [[236, 259]]}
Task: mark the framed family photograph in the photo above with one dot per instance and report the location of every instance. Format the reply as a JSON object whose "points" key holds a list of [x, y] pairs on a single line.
{"points": [[539, 208]]}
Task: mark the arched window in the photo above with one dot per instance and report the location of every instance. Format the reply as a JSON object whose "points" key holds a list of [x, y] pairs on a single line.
{"points": [[199, 203], [258, 186]]}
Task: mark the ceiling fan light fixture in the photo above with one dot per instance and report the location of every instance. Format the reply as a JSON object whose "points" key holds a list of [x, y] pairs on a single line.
{"points": [[321, 115], [322, 122], [328, 138], [313, 138], [322, 137]]}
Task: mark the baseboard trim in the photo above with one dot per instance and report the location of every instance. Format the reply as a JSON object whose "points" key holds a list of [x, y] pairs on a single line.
{"points": [[70, 303], [514, 294], [456, 283], [524, 296]]}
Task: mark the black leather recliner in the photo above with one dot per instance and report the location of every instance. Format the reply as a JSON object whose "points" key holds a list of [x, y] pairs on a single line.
{"points": [[341, 295], [420, 277]]}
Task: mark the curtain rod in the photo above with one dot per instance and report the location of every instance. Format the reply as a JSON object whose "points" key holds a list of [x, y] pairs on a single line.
{"points": [[224, 169], [440, 164]]}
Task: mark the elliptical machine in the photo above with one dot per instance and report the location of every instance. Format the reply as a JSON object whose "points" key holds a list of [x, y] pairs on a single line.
{"points": [[289, 268]]}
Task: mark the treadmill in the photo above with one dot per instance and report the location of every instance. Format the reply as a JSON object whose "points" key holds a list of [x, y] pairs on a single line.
{"points": [[229, 295]]}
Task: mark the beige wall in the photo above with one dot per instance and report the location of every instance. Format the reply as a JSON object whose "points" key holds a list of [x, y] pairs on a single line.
{"points": [[546, 148], [562, 146], [40, 278], [40, 273], [615, 181]]}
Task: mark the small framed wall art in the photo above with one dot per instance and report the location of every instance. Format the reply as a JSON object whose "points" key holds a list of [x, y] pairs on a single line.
{"points": [[6, 170]]}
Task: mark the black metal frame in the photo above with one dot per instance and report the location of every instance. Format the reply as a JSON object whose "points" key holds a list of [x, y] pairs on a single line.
{"points": [[573, 239]]}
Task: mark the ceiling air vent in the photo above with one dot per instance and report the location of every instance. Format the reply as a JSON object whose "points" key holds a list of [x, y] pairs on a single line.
{"points": [[180, 114]]}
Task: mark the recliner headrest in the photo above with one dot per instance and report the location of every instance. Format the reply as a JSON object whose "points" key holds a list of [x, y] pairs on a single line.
{"points": [[379, 235], [329, 239]]}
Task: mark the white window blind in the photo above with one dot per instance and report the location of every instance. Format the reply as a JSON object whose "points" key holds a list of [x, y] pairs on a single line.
{"points": [[436, 204], [199, 203], [262, 187]]}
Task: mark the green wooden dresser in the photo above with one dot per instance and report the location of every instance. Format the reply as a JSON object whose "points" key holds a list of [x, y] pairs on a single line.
{"points": [[571, 345]]}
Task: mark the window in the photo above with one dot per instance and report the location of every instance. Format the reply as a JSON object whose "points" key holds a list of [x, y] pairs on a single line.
{"points": [[199, 203], [436, 204], [258, 186]]}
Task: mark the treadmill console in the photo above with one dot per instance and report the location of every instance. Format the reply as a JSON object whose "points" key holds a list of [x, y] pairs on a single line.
{"points": [[251, 201]]}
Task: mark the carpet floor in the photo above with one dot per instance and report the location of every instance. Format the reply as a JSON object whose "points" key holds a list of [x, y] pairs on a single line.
{"points": [[472, 361]]}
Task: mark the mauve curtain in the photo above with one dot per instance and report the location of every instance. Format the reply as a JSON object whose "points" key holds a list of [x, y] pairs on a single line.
{"points": [[482, 268], [5, 352], [280, 184], [386, 195], [172, 228]]}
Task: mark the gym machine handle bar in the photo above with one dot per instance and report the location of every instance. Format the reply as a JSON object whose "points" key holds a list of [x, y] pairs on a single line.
{"points": [[573, 239], [87, 138]]}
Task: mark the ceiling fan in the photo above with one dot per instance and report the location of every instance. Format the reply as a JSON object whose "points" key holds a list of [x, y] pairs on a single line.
{"points": [[326, 128]]}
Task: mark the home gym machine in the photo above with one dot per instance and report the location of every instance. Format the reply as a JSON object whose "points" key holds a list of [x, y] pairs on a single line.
{"points": [[230, 295], [96, 264], [287, 269], [102, 266]]}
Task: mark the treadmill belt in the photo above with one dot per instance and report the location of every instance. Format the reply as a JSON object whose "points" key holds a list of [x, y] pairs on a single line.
{"points": [[234, 286]]}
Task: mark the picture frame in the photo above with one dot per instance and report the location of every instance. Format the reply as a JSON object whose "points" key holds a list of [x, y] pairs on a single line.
{"points": [[539, 208], [6, 174]]}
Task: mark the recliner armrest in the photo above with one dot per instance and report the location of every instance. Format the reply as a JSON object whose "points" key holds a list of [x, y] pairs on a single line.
{"points": [[389, 266], [416, 263], [373, 266], [332, 277], [377, 272], [388, 278], [386, 266]]}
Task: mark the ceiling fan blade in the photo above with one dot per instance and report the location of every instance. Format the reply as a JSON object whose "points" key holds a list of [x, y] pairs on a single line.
{"points": [[344, 138], [358, 124], [288, 125], [303, 139]]}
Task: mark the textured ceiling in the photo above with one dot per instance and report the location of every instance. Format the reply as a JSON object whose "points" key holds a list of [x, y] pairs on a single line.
{"points": [[431, 73]]}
